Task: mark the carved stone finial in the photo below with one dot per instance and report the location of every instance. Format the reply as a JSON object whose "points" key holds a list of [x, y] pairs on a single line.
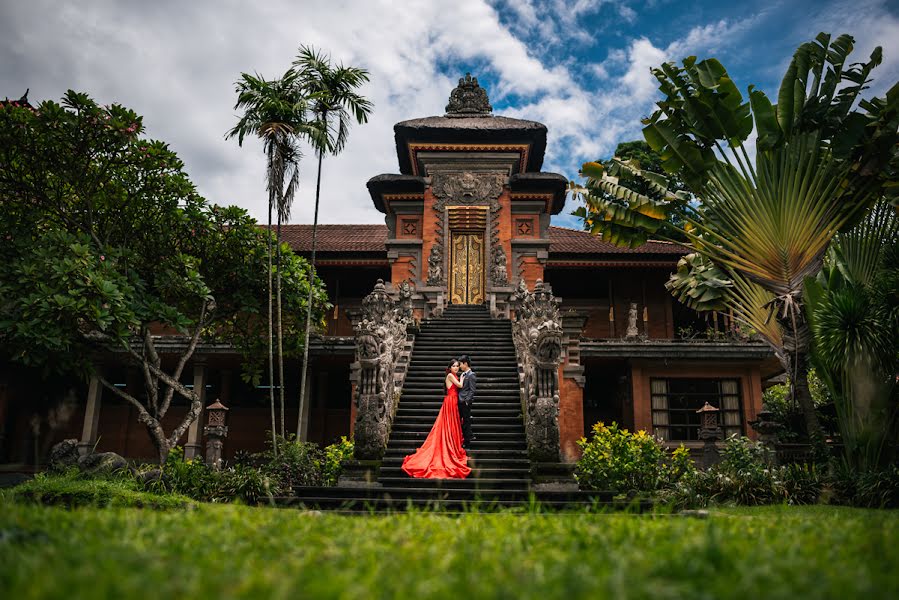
{"points": [[468, 99]]}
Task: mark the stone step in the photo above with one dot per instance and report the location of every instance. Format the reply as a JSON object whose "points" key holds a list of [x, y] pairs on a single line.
{"points": [[483, 420], [477, 408], [430, 414], [482, 436], [392, 498], [508, 454], [456, 484], [409, 445], [477, 470], [482, 431], [484, 464]]}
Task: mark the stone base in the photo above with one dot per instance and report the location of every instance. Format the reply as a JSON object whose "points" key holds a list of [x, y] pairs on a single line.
{"points": [[553, 477], [360, 474]]}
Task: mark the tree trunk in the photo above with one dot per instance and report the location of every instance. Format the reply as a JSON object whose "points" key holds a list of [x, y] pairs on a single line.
{"points": [[318, 184], [280, 333], [796, 336], [271, 359]]}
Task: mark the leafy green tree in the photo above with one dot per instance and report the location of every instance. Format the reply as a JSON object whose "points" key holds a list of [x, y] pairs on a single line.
{"points": [[335, 103], [276, 112], [638, 154], [819, 164], [108, 251]]}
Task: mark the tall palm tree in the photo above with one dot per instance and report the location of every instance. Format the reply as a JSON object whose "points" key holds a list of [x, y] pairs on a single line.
{"points": [[275, 111], [334, 104], [819, 165]]}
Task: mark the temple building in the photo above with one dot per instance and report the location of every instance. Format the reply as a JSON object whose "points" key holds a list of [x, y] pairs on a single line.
{"points": [[466, 224]]}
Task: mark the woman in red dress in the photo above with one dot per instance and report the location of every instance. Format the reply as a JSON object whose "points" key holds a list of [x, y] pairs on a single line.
{"points": [[441, 456]]}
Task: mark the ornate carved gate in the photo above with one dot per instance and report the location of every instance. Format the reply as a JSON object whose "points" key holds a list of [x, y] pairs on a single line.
{"points": [[467, 281]]}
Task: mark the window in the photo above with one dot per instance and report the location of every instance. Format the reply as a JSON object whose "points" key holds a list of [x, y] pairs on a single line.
{"points": [[675, 402]]}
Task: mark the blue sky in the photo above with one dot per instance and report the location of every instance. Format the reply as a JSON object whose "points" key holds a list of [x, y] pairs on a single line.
{"points": [[581, 67]]}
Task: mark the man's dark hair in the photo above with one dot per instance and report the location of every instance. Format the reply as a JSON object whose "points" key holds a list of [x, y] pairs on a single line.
{"points": [[464, 359]]}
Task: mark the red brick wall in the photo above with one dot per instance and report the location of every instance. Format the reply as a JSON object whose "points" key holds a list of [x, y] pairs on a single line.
{"points": [[428, 232], [571, 417]]}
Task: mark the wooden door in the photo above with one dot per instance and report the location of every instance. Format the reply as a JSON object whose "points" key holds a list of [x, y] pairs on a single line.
{"points": [[467, 270]]}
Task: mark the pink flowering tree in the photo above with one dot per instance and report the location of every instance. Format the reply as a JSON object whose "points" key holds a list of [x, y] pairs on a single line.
{"points": [[106, 249]]}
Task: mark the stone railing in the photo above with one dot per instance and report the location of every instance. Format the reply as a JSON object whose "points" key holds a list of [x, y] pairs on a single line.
{"points": [[537, 331], [380, 346]]}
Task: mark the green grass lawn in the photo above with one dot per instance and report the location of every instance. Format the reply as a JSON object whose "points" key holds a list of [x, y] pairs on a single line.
{"points": [[225, 551]]}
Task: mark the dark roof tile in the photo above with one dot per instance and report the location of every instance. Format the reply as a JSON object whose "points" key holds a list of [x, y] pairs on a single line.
{"points": [[372, 238]]}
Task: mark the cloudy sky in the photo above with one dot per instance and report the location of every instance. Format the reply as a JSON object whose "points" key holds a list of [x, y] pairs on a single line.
{"points": [[580, 66]]}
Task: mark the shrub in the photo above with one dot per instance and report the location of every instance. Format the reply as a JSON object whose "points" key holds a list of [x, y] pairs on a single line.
{"points": [[71, 489], [245, 483], [873, 489], [745, 477], [296, 463], [801, 484], [614, 458], [190, 478], [334, 456]]}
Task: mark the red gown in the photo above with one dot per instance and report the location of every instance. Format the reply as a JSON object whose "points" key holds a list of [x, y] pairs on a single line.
{"points": [[441, 456]]}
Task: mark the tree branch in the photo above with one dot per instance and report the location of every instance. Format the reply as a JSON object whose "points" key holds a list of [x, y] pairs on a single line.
{"points": [[195, 338]]}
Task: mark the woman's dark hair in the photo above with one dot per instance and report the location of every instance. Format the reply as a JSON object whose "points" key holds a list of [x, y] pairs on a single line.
{"points": [[449, 367]]}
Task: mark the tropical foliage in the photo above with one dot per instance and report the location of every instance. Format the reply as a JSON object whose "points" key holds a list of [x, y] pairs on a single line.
{"points": [[853, 308], [822, 157], [106, 244]]}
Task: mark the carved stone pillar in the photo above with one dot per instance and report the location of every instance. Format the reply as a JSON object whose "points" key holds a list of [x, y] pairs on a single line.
{"points": [[91, 417], [537, 331], [194, 446]]}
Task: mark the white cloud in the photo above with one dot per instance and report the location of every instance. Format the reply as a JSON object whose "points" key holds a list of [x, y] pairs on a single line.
{"points": [[176, 64]]}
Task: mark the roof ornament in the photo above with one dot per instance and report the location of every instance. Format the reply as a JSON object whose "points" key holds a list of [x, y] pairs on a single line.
{"points": [[468, 99]]}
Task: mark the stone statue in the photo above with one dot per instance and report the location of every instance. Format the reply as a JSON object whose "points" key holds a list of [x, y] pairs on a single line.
{"points": [[632, 331], [498, 272], [435, 266], [406, 292]]}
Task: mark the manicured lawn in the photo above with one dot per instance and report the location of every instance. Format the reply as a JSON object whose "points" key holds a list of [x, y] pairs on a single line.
{"points": [[222, 551]]}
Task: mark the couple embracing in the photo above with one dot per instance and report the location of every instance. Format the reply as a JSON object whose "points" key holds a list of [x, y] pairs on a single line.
{"points": [[442, 455]]}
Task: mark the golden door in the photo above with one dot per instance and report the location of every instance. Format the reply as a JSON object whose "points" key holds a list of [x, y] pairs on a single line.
{"points": [[467, 281]]}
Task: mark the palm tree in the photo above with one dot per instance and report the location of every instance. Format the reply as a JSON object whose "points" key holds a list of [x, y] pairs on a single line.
{"points": [[275, 111], [334, 102], [819, 166]]}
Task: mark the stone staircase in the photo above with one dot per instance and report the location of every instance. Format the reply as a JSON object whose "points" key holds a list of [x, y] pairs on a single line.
{"points": [[500, 477], [498, 454]]}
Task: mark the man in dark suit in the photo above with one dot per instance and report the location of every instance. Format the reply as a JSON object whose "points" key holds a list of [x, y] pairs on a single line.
{"points": [[466, 397]]}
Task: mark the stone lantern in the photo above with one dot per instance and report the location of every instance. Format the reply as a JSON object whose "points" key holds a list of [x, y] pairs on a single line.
{"points": [[709, 433], [767, 428], [216, 431]]}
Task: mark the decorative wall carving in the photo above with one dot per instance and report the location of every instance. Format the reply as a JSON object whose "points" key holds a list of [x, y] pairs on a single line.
{"points": [[537, 331], [467, 188], [380, 338], [524, 227]]}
